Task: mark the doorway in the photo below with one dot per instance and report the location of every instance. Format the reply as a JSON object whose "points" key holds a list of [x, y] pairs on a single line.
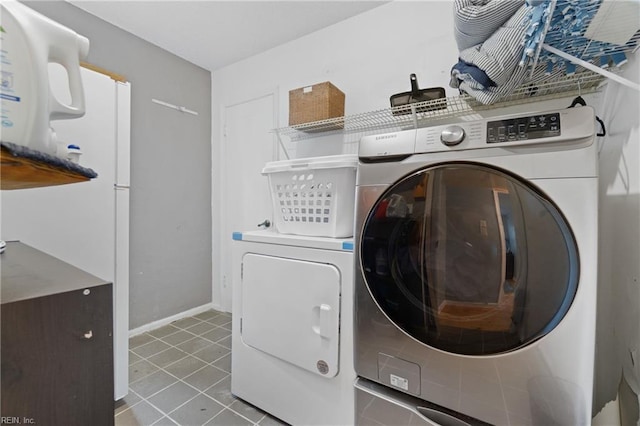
{"points": [[246, 200]]}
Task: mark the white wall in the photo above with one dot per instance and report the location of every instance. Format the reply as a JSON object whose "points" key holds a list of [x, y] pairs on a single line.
{"points": [[619, 234], [369, 57]]}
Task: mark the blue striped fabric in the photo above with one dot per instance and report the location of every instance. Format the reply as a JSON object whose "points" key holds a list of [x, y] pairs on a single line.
{"points": [[566, 32], [499, 57], [497, 43], [476, 20]]}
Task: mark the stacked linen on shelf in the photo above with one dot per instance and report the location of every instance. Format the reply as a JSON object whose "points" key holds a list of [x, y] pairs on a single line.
{"points": [[491, 68], [570, 30], [476, 20], [498, 39]]}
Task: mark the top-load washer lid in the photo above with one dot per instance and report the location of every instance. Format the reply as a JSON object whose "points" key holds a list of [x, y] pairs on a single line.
{"points": [[469, 259]]}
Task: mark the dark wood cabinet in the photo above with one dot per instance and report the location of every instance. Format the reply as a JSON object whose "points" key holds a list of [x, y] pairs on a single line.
{"points": [[56, 341]]}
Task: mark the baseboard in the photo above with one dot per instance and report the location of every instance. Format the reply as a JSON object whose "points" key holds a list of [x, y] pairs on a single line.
{"points": [[168, 320], [218, 307]]}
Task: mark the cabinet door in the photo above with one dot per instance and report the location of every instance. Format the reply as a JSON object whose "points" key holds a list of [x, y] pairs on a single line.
{"points": [[57, 358], [291, 310]]}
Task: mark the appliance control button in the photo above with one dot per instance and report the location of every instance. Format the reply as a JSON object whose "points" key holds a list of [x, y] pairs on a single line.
{"points": [[452, 135]]}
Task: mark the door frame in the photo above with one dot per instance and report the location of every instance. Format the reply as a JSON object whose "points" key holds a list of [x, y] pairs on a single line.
{"points": [[221, 291]]}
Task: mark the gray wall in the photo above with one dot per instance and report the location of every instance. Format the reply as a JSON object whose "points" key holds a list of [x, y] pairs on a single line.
{"points": [[170, 263]]}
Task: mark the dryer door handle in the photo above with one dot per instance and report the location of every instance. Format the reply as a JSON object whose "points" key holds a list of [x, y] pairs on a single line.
{"points": [[323, 323]]}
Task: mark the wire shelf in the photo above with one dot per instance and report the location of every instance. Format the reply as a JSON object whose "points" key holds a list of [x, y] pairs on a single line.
{"points": [[593, 34], [592, 30], [427, 113], [579, 44]]}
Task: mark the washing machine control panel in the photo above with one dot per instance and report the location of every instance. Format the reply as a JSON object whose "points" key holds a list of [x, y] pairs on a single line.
{"points": [[565, 126], [523, 128]]}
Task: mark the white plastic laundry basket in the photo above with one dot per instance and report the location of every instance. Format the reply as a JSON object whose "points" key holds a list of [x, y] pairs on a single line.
{"points": [[314, 196]]}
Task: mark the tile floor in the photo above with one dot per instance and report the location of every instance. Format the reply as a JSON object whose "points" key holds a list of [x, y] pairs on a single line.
{"points": [[180, 374]]}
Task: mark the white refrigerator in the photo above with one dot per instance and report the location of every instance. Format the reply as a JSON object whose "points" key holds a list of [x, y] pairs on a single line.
{"points": [[86, 224]]}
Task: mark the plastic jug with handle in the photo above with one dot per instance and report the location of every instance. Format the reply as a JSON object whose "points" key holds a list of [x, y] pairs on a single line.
{"points": [[30, 42]]}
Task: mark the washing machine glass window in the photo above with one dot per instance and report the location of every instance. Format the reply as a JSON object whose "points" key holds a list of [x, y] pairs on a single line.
{"points": [[469, 259]]}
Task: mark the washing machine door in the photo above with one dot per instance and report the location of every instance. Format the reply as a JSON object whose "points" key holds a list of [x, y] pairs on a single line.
{"points": [[469, 259]]}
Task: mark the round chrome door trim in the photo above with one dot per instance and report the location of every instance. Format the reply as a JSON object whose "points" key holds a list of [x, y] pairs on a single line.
{"points": [[562, 300]]}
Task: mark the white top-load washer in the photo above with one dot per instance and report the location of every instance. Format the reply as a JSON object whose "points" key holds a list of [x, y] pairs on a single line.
{"points": [[476, 272], [292, 326]]}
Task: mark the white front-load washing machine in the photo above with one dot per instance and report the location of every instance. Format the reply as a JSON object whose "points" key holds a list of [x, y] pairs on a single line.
{"points": [[292, 338], [476, 266]]}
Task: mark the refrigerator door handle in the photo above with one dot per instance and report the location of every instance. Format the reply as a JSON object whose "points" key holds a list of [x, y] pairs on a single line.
{"points": [[118, 186]]}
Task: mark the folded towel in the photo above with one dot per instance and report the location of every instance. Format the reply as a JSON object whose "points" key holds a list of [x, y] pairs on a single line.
{"points": [[463, 71], [499, 57], [476, 20], [566, 31]]}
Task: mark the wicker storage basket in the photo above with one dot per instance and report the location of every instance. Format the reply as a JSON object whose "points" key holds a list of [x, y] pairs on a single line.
{"points": [[315, 103]]}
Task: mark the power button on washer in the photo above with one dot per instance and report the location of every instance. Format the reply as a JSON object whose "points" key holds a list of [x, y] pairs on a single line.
{"points": [[452, 135]]}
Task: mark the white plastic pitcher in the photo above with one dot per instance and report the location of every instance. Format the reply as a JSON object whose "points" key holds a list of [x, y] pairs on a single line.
{"points": [[30, 41]]}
